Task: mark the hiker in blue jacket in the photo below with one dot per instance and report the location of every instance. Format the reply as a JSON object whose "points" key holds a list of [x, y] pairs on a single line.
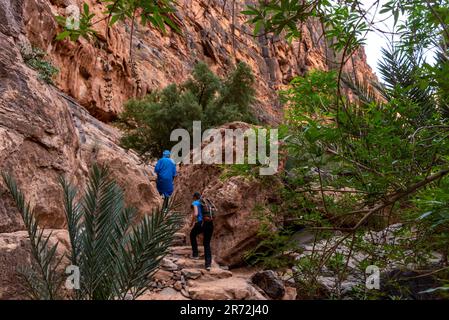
{"points": [[166, 172], [202, 223]]}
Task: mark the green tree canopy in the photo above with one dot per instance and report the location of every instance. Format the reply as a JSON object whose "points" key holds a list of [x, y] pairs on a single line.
{"points": [[204, 97]]}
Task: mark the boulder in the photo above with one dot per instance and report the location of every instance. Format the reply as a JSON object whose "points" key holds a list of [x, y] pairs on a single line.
{"points": [[224, 289], [168, 292], [190, 263], [191, 273], [164, 294], [215, 273], [168, 265], [270, 283], [163, 275], [329, 285]]}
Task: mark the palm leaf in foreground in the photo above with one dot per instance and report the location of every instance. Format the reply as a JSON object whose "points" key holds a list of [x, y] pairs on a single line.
{"points": [[41, 280], [116, 256]]}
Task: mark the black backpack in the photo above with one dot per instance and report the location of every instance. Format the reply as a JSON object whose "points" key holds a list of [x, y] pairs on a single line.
{"points": [[208, 209]]}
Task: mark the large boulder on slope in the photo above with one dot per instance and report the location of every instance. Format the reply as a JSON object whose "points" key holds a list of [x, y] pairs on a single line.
{"points": [[239, 199], [270, 283], [224, 289]]}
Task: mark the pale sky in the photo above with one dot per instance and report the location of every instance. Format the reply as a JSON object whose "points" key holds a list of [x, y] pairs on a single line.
{"points": [[375, 39]]}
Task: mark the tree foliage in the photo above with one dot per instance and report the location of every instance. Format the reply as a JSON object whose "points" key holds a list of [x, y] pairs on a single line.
{"points": [[150, 12], [204, 97]]}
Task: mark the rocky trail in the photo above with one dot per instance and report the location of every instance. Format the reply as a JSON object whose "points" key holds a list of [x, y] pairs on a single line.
{"points": [[183, 278]]}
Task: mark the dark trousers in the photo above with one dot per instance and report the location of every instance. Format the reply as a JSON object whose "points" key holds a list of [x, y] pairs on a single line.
{"points": [[206, 228]]}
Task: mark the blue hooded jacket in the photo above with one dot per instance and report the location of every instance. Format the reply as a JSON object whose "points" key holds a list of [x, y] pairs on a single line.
{"points": [[166, 171]]}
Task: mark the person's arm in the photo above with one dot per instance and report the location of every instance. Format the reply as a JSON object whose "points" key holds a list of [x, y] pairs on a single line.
{"points": [[195, 215]]}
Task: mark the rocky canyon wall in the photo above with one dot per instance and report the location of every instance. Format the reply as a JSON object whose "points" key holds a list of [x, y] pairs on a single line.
{"points": [[100, 77]]}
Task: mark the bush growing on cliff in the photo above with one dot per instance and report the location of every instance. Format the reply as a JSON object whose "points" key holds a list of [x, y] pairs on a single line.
{"points": [[116, 255], [36, 60], [205, 97]]}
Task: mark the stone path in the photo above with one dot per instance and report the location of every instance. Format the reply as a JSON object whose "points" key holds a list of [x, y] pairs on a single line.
{"points": [[181, 278]]}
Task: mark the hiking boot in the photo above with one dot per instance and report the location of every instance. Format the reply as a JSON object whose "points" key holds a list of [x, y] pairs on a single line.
{"points": [[194, 257], [208, 268]]}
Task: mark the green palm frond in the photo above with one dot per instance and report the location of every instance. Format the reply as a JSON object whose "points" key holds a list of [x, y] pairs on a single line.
{"points": [[73, 217], [401, 79], [442, 76], [366, 93], [144, 248], [42, 280], [101, 205], [395, 68], [115, 254]]}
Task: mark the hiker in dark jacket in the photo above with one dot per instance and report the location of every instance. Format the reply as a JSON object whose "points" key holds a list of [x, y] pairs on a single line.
{"points": [[201, 224], [166, 172]]}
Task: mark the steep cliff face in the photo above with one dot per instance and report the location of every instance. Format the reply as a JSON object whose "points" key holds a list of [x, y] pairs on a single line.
{"points": [[99, 76], [47, 131], [44, 133]]}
